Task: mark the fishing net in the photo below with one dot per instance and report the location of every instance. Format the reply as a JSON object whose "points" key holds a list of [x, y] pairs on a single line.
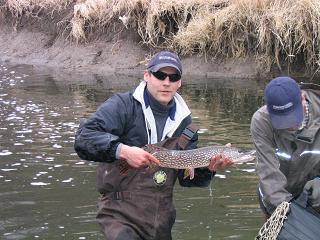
{"points": [[292, 221], [272, 227]]}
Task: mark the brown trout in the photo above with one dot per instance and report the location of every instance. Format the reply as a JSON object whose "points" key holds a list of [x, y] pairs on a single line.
{"points": [[195, 158]]}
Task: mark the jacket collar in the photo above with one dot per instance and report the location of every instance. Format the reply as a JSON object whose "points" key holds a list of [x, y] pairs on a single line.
{"points": [[177, 115], [146, 98]]}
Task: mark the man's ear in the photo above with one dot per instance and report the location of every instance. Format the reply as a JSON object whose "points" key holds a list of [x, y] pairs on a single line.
{"points": [[179, 83], [303, 100], [146, 75]]}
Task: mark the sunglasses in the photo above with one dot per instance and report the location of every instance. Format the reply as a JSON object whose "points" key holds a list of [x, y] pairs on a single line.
{"points": [[162, 76]]}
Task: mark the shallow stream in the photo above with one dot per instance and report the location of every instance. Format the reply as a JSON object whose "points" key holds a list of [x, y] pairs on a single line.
{"points": [[47, 192]]}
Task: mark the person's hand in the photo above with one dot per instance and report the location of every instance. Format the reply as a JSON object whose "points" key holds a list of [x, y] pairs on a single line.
{"points": [[137, 157], [220, 161], [313, 188]]}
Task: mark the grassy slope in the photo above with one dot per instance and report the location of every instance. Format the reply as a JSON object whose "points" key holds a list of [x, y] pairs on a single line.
{"points": [[274, 32]]}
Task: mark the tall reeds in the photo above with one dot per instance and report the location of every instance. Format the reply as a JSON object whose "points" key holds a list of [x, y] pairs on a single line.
{"points": [[33, 7]]}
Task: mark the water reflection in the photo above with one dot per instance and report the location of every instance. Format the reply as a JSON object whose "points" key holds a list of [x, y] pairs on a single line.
{"points": [[47, 192]]}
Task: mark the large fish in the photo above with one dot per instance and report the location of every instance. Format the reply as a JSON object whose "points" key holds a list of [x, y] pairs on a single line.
{"points": [[195, 158], [199, 157]]}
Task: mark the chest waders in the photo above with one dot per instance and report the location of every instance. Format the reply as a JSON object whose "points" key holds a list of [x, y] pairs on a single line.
{"points": [[138, 204]]}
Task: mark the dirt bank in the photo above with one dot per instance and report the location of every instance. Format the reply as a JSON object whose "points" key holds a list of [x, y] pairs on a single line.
{"points": [[122, 55]]}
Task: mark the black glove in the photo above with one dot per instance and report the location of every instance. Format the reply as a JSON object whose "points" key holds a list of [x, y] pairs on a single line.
{"points": [[313, 188]]}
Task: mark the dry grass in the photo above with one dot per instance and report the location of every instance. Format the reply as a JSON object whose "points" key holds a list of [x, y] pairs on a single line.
{"points": [[99, 13], [32, 7], [273, 31]]}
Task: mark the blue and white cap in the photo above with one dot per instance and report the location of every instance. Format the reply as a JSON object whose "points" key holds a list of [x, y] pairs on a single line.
{"points": [[283, 98], [165, 59]]}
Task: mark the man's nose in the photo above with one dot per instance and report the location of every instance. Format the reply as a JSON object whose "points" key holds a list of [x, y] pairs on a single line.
{"points": [[166, 80]]}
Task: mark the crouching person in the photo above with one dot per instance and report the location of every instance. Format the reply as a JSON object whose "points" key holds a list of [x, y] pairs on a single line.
{"points": [[286, 135]]}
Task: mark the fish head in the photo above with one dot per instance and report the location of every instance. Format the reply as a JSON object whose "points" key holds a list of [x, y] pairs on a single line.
{"points": [[152, 148], [245, 156]]}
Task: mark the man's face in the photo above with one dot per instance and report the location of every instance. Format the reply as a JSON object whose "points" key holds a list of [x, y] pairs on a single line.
{"points": [[294, 129], [162, 90]]}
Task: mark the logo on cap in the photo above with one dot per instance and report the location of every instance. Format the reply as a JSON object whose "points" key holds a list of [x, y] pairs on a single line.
{"points": [[283, 107], [167, 58]]}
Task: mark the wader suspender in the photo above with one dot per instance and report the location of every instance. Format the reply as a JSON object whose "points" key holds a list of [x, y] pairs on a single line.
{"points": [[187, 135]]}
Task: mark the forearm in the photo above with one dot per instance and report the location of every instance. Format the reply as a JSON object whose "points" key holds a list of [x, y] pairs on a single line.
{"points": [[272, 184], [97, 137], [94, 145], [272, 181], [272, 197]]}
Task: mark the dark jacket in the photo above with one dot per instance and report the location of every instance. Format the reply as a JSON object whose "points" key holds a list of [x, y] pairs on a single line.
{"points": [[285, 161]]}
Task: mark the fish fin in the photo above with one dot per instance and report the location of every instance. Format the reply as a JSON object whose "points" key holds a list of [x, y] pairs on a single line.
{"points": [[189, 172], [124, 167], [153, 166]]}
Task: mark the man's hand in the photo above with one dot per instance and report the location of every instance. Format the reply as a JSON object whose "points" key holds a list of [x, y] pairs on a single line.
{"points": [[137, 157], [313, 188], [220, 161]]}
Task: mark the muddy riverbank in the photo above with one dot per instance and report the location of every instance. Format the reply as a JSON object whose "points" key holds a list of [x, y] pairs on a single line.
{"points": [[124, 56]]}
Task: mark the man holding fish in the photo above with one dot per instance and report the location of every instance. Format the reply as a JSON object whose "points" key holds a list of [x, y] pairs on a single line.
{"points": [[136, 200], [286, 135]]}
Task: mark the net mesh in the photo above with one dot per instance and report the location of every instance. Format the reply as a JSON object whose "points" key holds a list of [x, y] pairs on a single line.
{"points": [[272, 227]]}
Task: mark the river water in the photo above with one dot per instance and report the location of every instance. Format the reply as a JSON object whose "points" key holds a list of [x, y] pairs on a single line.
{"points": [[47, 192]]}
